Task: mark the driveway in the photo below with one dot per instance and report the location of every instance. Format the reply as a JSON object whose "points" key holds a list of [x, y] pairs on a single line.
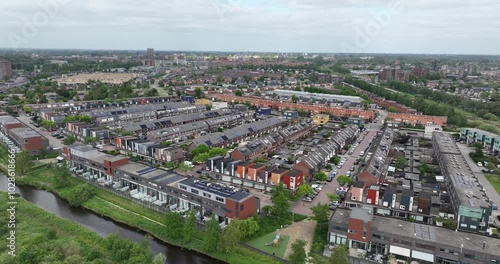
{"points": [[490, 192]]}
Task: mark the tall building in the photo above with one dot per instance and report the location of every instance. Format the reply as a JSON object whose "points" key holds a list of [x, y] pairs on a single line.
{"points": [[150, 60], [435, 65], [5, 69]]}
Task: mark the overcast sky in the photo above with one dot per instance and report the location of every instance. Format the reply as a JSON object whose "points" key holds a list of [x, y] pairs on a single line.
{"points": [[370, 26]]}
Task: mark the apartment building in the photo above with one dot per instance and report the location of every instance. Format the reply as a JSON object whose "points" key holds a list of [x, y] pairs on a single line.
{"points": [[28, 139], [417, 119], [320, 119], [378, 238], [472, 208]]}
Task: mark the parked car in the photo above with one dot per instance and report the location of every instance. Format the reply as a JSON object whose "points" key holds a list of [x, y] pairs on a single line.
{"points": [[493, 206], [480, 164], [307, 199], [352, 168], [99, 146], [348, 173]]}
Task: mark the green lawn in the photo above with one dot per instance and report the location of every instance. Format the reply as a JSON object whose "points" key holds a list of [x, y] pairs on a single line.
{"points": [[495, 182], [261, 241]]}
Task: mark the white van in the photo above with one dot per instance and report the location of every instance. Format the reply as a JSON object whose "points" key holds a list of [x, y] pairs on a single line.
{"points": [[362, 153]]}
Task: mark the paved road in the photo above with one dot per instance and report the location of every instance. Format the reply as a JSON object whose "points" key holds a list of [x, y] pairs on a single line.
{"points": [[330, 187], [490, 191], [54, 142]]}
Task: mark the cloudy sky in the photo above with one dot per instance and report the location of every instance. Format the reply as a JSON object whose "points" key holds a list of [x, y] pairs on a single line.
{"points": [[382, 26]]}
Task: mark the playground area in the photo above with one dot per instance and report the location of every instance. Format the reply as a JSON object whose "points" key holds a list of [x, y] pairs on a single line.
{"points": [[270, 243]]}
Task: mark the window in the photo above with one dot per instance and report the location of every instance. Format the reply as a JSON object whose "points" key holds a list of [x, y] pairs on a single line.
{"points": [[207, 195], [183, 187], [219, 199], [194, 191], [463, 225], [469, 256], [242, 207], [364, 234], [351, 231], [402, 207], [473, 227]]}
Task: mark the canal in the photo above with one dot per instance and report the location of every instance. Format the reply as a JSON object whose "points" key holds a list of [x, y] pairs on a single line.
{"points": [[53, 204]]}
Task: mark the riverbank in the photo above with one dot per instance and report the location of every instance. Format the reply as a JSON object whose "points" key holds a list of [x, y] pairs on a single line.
{"points": [[127, 212], [42, 237]]}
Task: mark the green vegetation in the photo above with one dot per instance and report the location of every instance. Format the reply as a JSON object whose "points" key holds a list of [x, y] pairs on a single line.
{"points": [[343, 180], [460, 112], [132, 214], [321, 214], [202, 153], [260, 242], [340, 255], [320, 176], [298, 255], [69, 140], [495, 182], [46, 238], [280, 206]]}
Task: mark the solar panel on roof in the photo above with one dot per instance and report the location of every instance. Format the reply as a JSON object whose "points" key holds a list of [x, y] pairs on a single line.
{"points": [[224, 137], [208, 143], [145, 170], [157, 124], [251, 129], [144, 126]]}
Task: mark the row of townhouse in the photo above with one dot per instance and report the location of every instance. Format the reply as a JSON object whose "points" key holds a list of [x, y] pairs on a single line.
{"points": [[390, 240], [25, 138], [79, 106], [123, 116], [146, 126], [50, 115], [241, 133], [151, 151], [321, 155], [399, 202], [160, 187], [199, 128], [82, 130], [490, 141], [469, 201], [239, 172], [264, 145], [418, 119], [336, 111]]}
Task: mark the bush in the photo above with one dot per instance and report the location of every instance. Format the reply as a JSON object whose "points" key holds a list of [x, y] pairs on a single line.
{"points": [[80, 194], [320, 238]]}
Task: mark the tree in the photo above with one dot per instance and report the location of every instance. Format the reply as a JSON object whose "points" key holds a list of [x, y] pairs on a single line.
{"points": [[335, 160], [294, 98], [280, 205], [198, 93], [69, 140], [321, 212], [189, 227], [304, 189], [392, 109], [249, 227], [200, 149], [340, 255], [321, 176], [173, 221], [184, 167], [230, 237], [238, 92], [23, 163], [61, 175], [217, 152], [43, 99], [333, 197], [328, 167], [200, 158], [80, 194], [401, 162], [212, 235], [343, 180], [48, 124], [91, 140], [298, 255], [159, 259]]}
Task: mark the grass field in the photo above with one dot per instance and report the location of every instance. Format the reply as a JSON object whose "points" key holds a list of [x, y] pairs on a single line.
{"points": [[260, 242], [495, 182]]}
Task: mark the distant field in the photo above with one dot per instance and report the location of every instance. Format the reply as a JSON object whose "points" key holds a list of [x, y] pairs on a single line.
{"points": [[495, 182], [261, 241], [113, 78]]}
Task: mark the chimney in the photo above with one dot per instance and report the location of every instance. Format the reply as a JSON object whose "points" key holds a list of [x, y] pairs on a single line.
{"points": [[484, 244]]}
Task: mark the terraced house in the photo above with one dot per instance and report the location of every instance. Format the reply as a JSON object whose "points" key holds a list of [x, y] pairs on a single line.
{"points": [[490, 141]]}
